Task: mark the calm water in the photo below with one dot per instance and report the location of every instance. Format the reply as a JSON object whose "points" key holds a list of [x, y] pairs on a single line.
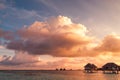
{"points": [[56, 75]]}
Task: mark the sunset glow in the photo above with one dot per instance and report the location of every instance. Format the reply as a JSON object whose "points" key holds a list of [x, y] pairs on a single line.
{"points": [[54, 34]]}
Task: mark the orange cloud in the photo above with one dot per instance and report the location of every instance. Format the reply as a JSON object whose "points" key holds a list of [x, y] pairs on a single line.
{"points": [[110, 45], [58, 36]]}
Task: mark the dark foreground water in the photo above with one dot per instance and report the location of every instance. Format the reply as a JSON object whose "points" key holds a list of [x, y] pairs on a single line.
{"points": [[56, 75]]}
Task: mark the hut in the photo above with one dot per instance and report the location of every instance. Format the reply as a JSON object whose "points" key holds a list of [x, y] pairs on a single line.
{"points": [[64, 69], [90, 68], [56, 69], [61, 69], [110, 68]]}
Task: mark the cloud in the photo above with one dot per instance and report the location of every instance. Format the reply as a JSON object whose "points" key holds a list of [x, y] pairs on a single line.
{"points": [[109, 45], [58, 36], [23, 13], [20, 58], [26, 61], [2, 47], [8, 35]]}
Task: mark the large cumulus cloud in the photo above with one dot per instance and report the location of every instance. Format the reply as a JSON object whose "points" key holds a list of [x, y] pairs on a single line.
{"points": [[58, 36]]}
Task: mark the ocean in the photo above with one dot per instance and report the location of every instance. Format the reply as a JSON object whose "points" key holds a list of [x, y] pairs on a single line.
{"points": [[55, 75]]}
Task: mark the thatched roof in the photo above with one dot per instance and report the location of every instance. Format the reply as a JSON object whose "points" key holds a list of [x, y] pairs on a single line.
{"points": [[110, 66], [91, 66]]}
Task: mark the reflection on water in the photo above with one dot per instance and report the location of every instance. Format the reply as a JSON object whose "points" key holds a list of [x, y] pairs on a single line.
{"points": [[111, 76], [56, 75]]}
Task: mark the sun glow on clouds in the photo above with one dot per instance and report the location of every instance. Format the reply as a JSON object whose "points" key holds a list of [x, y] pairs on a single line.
{"points": [[58, 24], [66, 43], [58, 36]]}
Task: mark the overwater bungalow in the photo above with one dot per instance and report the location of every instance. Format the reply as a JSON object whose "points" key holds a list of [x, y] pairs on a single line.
{"points": [[90, 68], [110, 68], [56, 69]]}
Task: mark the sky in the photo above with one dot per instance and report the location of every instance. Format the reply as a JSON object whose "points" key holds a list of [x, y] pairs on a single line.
{"points": [[50, 34]]}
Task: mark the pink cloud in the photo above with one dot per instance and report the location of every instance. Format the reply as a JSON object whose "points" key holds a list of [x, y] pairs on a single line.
{"points": [[18, 59], [58, 36]]}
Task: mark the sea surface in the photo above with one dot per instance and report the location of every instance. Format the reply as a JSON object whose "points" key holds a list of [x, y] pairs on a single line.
{"points": [[55, 75]]}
